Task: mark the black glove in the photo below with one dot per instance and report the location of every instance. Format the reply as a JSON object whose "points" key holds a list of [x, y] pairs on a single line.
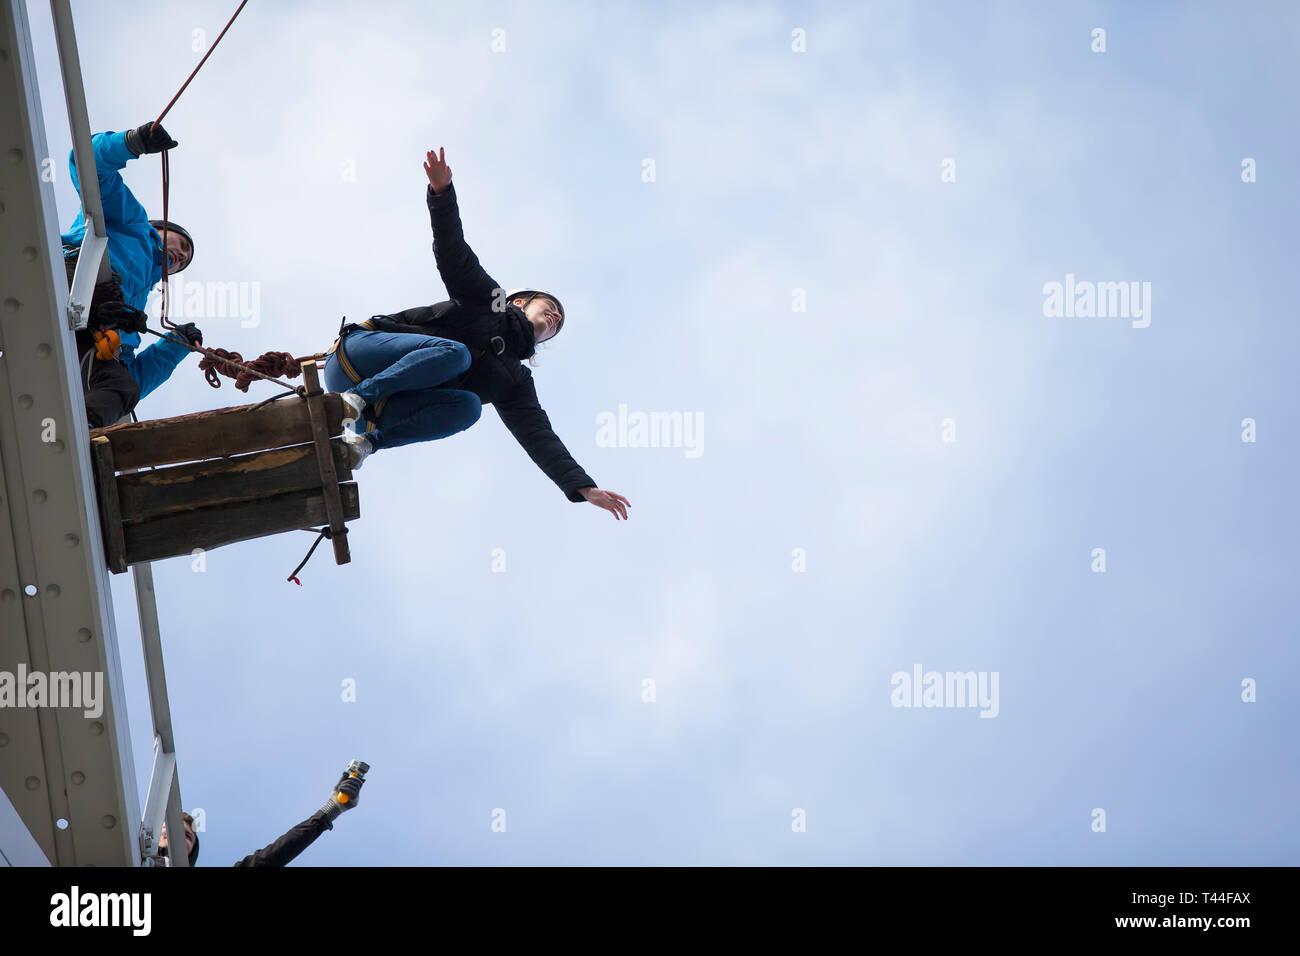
{"points": [[149, 139], [115, 314], [352, 787], [348, 785], [108, 309], [189, 332]]}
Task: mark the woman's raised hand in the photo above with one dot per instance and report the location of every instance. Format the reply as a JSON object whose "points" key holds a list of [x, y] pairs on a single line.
{"points": [[436, 168]]}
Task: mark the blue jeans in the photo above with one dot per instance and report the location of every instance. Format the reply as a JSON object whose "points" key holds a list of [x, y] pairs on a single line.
{"points": [[401, 379]]}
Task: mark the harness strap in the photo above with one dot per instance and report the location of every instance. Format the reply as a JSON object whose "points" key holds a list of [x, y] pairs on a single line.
{"points": [[349, 369], [346, 328]]}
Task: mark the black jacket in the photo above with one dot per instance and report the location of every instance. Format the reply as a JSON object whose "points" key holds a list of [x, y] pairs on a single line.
{"points": [[498, 336], [291, 844]]}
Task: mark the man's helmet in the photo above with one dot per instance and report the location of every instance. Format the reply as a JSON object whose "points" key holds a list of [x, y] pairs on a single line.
{"points": [[529, 294], [180, 231]]}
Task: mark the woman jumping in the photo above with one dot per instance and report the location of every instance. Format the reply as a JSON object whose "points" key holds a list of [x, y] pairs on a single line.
{"points": [[426, 373]]}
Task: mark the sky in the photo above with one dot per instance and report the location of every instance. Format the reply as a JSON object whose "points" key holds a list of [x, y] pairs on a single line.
{"points": [[824, 234]]}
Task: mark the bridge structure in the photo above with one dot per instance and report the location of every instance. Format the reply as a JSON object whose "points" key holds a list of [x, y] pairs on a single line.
{"points": [[68, 790]]}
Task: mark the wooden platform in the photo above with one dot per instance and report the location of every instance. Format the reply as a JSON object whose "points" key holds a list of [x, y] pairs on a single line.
{"points": [[223, 476]]}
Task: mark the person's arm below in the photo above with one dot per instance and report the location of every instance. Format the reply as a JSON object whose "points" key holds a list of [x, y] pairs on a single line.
{"points": [[466, 280], [345, 795], [288, 847]]}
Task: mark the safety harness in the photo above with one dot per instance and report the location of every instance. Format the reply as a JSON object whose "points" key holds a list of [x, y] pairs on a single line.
{"points": [[497, 344], [345, 329]]}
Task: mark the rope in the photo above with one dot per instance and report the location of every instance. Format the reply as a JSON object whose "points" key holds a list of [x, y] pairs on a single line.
{"points": [[167, 108], [166, 282], [274, 398], [321, 535], [216, 362], [166, 170], [267, 366], [270, 365]]}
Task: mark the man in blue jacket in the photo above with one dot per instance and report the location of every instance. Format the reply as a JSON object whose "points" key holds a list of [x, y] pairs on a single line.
{"points": [[116, 378]]}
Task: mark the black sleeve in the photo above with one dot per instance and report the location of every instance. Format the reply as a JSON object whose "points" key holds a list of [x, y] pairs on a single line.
{"points": [[461, 273], [523, 415], [291, 844]]}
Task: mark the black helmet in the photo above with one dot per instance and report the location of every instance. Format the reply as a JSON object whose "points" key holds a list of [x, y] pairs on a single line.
{"points": [[179, 230]]}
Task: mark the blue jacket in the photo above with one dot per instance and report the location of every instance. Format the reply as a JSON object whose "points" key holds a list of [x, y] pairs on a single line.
{"points": [[135, 252]]}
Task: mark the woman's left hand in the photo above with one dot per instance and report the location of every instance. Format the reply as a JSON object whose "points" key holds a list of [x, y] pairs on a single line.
{"points": [[611, 501], [436, 168]]}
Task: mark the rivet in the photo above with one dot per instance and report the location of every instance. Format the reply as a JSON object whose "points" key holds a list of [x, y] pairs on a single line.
{"points": [[24, 401], [33, 783], [7, 595], [109, 821], [15, 155], [44, 350], [61, 823], [29, 253], [39, 496], [71, 540], [4, 740], [58, 445], [96, 729], [53, 590], [30, 590], [78, 778], [83, 634], [11, 305]]}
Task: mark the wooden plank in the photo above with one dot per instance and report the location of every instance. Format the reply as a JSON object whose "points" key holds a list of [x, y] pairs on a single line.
{"points": [[110, 513], [218, 433], [152, 494], [209, 528], [329, 480]]}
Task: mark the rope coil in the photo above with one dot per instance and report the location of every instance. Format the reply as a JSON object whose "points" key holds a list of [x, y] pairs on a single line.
{"points": [[271, 365], [216, 362]]}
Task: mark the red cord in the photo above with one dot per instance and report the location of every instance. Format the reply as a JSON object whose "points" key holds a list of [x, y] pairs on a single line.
{"points": [[216, 361], [166, 285], [166, 172], [168, 107]]}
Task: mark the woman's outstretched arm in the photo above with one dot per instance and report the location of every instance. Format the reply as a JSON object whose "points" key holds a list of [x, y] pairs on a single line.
{"points": [[466, 280], [523, 415]]}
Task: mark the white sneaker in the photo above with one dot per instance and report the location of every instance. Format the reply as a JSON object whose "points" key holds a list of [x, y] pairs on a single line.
{"points": [[352, 406], [359, 449]]}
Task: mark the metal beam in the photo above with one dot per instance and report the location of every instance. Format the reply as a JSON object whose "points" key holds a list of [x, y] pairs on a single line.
{"points": [[92, 263], [164, 782], [56, 612]]}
